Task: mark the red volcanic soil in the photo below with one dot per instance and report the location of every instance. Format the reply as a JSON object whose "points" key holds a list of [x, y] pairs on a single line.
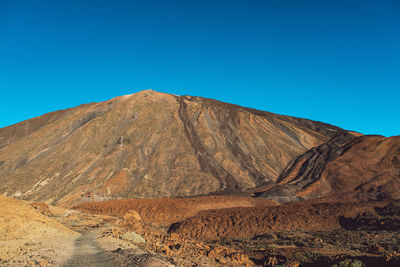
{"points": [[165, 211], [250, 222]]}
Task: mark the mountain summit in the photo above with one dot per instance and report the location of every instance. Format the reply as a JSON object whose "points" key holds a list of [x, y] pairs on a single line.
{"points": [[151, 144]]}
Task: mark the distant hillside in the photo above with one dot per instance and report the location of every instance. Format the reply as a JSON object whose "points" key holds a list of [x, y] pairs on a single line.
{"points": [[367, 167]]}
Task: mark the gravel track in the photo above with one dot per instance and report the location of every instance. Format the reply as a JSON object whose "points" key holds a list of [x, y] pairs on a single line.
{"points": [[88, 253]]}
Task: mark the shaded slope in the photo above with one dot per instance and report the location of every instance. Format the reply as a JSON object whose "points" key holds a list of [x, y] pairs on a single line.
{"points": [[362, 167], [151, 144]]}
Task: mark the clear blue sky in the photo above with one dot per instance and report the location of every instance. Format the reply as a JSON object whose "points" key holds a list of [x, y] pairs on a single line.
{"points": [[332, 61]]}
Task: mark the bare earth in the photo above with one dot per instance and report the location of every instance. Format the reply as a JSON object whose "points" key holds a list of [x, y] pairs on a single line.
{"points": [[30, 238], [254, 233]]}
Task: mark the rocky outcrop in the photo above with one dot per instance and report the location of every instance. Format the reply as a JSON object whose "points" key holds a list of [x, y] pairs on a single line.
{"points": [[248, 222]]}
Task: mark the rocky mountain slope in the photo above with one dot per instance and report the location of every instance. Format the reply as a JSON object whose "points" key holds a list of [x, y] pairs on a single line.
{"points": [[151, 144], [366, 167]]}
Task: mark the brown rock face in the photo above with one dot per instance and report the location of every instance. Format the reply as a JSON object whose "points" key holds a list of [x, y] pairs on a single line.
{"points": [[366, 167], [151, 144]]}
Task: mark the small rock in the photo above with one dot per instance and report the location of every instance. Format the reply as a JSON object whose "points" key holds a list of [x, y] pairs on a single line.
{"points": [[117, 250]]}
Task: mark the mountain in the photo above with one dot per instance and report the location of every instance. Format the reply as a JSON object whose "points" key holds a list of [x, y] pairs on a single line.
{"points": [[366, 167], [152, 144]]}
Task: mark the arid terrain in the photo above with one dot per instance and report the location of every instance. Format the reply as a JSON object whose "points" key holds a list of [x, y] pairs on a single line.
{"points": [[200, 232], [151, 144], [153, 179], [294, 234]]}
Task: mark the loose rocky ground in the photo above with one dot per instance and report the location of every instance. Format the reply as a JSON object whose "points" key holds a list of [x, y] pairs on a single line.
{"points": [[29, 237], [35, 234], [296, 234], [249, 222], [253, 233], [165, 211]]}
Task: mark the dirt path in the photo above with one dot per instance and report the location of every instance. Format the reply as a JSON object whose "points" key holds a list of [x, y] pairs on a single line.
{"points": [[88, 253]]}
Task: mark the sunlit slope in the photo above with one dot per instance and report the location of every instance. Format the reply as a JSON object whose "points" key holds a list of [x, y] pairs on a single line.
{"points": [[151, 144]]}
